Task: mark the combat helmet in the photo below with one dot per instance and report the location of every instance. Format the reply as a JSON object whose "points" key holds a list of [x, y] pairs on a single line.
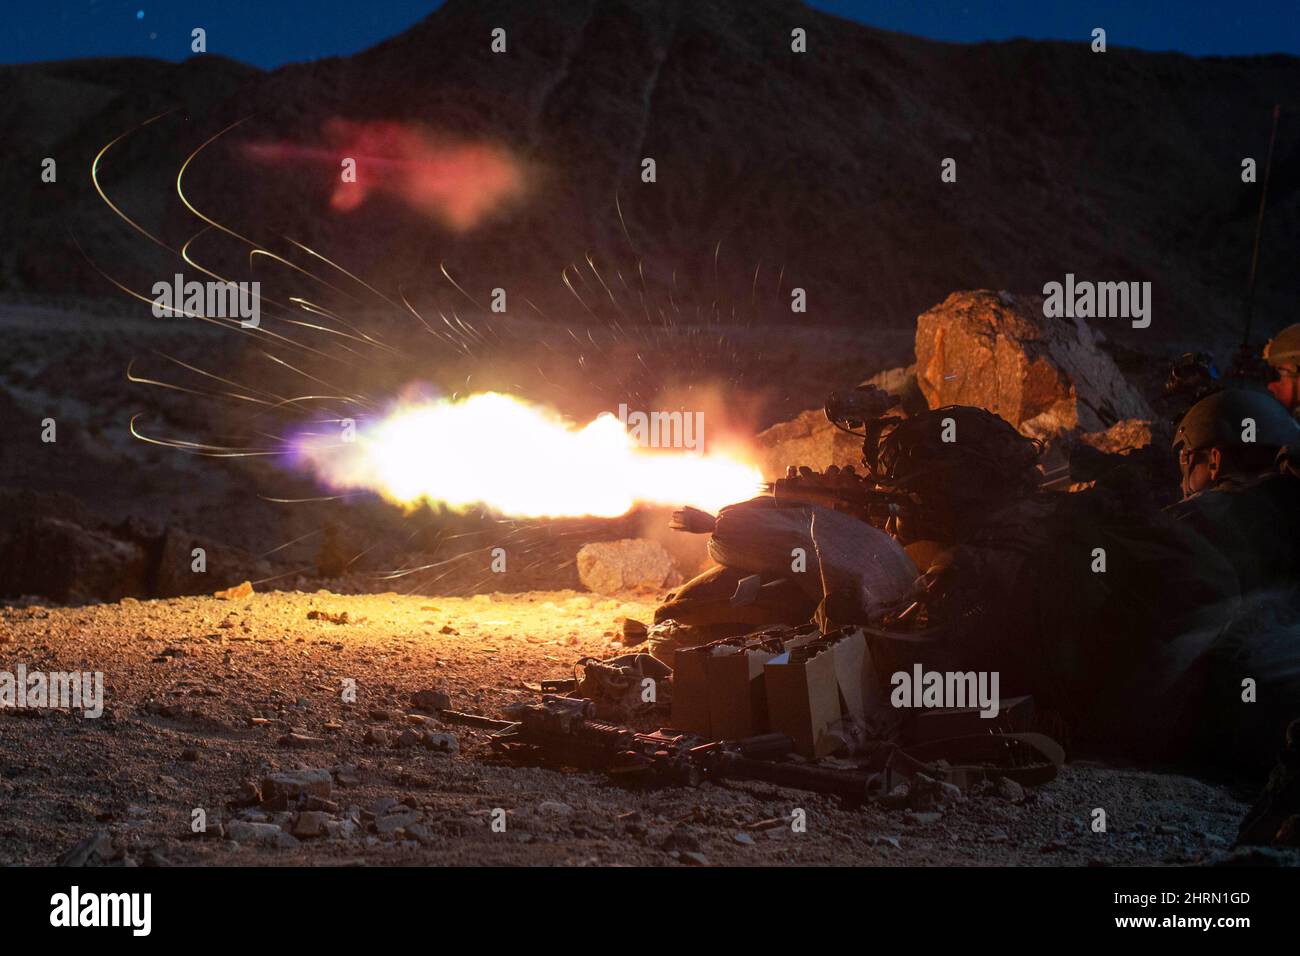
{"points": [[959, 461], [1217, 421], [1283, 350]]}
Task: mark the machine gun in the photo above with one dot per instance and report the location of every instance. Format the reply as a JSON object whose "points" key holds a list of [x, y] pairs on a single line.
{"points": [[842, 489], [564, 730]]}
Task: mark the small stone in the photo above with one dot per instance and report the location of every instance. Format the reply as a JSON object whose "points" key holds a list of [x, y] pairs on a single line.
{"points": [[922, 819], [554, 808], [292, 784], [300, 741], [189, 754], [743, 838], [378, 713], [249, 794], [318, 803], [97, 846], [259, 834], [1010, 790], [693, 858], [431, 700], [234, 594], [393, 822], [634, 632], [442, 743], [377, 737], [409, 738], [310, 823]]}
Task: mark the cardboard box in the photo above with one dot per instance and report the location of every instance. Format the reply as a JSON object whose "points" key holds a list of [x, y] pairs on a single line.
{"points": [[817, 680], [691, 690], [737, 697], [718, 689]]}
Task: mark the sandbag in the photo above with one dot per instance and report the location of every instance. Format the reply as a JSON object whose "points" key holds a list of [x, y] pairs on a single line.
{"points": [[840, 553]]}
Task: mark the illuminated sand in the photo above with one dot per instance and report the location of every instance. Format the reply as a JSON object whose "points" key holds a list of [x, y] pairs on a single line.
{"points": [[187, 675]]}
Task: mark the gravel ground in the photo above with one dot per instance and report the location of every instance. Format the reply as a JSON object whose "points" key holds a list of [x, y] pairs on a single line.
{"points": [[207, 698]]}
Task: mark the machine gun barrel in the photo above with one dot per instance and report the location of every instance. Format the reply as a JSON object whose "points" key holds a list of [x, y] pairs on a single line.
{"points": [[842, 491]]}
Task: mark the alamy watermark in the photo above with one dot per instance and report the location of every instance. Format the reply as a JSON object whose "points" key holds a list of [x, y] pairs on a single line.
{"points": [[65, 690], [209, 300], [664, 429], [1098, 300], [922, 688]]}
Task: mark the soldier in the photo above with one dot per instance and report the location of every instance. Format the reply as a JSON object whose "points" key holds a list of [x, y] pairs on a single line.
{"points": [[1235, 495], [1243, 499], [1098, 606], [1282, 354]]}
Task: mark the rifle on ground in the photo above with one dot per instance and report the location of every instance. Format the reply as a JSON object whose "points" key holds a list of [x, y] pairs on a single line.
{"points": [[563, 730]]}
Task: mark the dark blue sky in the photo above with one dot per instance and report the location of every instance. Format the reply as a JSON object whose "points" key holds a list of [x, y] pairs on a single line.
{"points": [[272, 32]]}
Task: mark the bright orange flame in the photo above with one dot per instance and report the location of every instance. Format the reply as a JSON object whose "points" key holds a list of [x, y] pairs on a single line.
{"points": [[523, 461]]}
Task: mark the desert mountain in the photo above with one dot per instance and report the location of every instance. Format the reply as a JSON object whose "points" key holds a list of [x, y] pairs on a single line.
{"points": [[774, 169]]}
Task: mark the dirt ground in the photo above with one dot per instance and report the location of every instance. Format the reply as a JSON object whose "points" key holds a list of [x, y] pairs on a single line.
{"points": [[205, 698]]}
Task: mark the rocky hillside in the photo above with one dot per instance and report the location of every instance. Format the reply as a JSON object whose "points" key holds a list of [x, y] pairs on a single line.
{"points": [[819, 170]]}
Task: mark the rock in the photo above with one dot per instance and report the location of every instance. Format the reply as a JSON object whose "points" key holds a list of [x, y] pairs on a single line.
{"points": [[249, 795], [97, 847], [744, 839], [613, 567], [409, 738], [809, 439], [431, 700], [174, 574], [1130, 434], [928, 793], [378, 713], [377, 737], [681, 840], [341, 829], [1045, 376], [1010, 790], [900, 382], [300, 741], [292, 784], [693, 858], [310, 823], [259, 834], [236, 593], [554, 808], [392, 822], [634, 632], [66, 562], [318, 803], [442, 743], [190, 755], [421, 834], [922, 819]]}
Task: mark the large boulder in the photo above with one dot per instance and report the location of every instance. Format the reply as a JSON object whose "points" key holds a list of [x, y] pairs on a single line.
{"points": [[811, 439], [1048, 377], [808, 440], [633, 564]]}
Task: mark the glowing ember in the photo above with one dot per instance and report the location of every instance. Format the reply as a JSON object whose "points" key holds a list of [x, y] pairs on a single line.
{"points": [[520, 460]]}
